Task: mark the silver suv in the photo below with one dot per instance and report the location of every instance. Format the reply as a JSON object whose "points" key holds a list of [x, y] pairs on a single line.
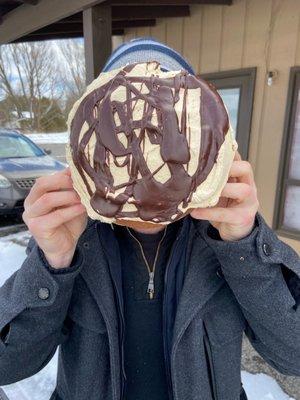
{"points": [[21, 162]]}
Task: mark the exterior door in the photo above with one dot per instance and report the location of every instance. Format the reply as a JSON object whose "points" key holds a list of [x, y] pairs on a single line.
{"points": [[236, 88]]}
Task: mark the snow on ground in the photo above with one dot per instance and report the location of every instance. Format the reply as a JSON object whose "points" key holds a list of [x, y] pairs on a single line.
{"points": [[262, 387], [41, 385], [56, 137], [12, 253], [37, 387]]}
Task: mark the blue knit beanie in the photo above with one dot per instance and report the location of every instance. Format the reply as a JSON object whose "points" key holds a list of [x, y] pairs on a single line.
{"points": [[147, 49]]}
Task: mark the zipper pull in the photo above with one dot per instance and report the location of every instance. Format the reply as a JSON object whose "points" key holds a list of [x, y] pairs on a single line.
{"points": [[151, 285]]}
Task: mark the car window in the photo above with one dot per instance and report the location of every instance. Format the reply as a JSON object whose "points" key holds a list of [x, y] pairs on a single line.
{"points": [[17, 146]]}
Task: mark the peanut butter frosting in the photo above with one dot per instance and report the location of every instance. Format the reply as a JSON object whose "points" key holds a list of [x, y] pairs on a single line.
{"points": [[147, 145]]}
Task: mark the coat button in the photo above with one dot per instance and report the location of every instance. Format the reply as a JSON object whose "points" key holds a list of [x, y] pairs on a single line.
{"points": [[44, 293], [266, 249]]}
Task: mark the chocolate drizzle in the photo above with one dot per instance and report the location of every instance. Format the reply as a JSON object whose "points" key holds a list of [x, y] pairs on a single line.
{"points": [[154, 201]]}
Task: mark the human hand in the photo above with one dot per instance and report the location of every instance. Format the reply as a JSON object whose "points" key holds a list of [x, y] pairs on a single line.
{"points": [[55, 217], [234, 214]]}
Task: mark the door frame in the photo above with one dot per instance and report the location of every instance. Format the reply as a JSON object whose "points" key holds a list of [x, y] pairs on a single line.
{"points": [[286, 148]]}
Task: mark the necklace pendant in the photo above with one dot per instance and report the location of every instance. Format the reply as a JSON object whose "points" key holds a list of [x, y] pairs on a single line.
{"points": [[150, 289]]}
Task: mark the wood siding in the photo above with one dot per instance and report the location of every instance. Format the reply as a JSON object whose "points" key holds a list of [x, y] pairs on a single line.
{"points": [[250, 33]]}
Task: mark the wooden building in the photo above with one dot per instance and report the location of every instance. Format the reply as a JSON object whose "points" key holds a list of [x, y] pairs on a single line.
{"points": [[250, 49]]}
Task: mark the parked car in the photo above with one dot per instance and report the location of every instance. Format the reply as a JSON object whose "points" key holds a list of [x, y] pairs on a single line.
{"points": [[21, 162]]}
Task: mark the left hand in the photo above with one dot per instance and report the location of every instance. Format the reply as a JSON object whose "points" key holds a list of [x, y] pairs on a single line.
{"points": [[234, 214]]}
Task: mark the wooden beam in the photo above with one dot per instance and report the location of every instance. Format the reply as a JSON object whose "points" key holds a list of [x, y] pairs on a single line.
{"points": [[127, 13], [31, 2], [6, 8], [149, 12], [139, 23], [70, 35], [41, 38], [120, 13], [168, 2], [78, 27], [24, 19], [118, 32], [97, 30], [71, 19], [59, 28]]}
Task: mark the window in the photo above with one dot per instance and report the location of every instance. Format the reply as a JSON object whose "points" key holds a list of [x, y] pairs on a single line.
{"points": [[287, 204], [18, 146], [236, 88]]}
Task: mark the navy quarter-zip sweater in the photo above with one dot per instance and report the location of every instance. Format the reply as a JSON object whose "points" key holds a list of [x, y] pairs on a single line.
{"points": [[143, 340]]}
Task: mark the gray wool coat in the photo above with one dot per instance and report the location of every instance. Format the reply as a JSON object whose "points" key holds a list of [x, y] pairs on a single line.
{"points": [[230, 288]]}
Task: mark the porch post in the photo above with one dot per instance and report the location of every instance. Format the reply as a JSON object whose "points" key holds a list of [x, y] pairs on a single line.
{"points": [[97, 32]]}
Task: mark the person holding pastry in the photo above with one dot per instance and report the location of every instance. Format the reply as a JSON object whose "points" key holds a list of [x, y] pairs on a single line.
{"points": [[149, 258]]}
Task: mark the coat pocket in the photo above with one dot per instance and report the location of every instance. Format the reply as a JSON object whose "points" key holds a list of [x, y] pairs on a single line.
{"points": [[84, 311], [211, 370], [224, 319]]}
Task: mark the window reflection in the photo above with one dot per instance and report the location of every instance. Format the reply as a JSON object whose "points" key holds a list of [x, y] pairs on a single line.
{"points": [[291, 208], [294, 171], [231, 99]]}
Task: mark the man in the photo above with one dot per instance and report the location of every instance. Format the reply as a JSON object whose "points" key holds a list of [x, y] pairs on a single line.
{"points": [[219, 272]]}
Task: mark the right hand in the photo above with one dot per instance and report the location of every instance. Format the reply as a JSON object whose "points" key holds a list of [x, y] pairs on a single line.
{"points": [[55, 217]]}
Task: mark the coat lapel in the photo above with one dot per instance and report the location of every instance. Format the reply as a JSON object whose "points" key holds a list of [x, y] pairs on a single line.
{"points": [[96, 274], [201, 282]]}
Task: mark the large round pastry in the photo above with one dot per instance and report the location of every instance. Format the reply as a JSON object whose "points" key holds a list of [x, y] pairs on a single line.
{"points": [[147, 146]]}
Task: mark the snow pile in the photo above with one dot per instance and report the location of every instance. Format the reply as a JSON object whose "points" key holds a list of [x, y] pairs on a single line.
{"points": [[37, 387], [12, 254], [56, 137], [41, 385], [262, 387]]}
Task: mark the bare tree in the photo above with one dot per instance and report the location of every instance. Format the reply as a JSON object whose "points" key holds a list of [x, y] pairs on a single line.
{"points": [[41, 78], [72, 66], [28, 74]]}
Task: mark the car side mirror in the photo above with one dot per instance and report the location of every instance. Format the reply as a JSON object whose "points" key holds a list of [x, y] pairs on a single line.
{"points": [[47, 151]]}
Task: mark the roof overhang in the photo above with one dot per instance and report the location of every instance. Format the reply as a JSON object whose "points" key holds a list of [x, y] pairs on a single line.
{"points": [[24, 20]]}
